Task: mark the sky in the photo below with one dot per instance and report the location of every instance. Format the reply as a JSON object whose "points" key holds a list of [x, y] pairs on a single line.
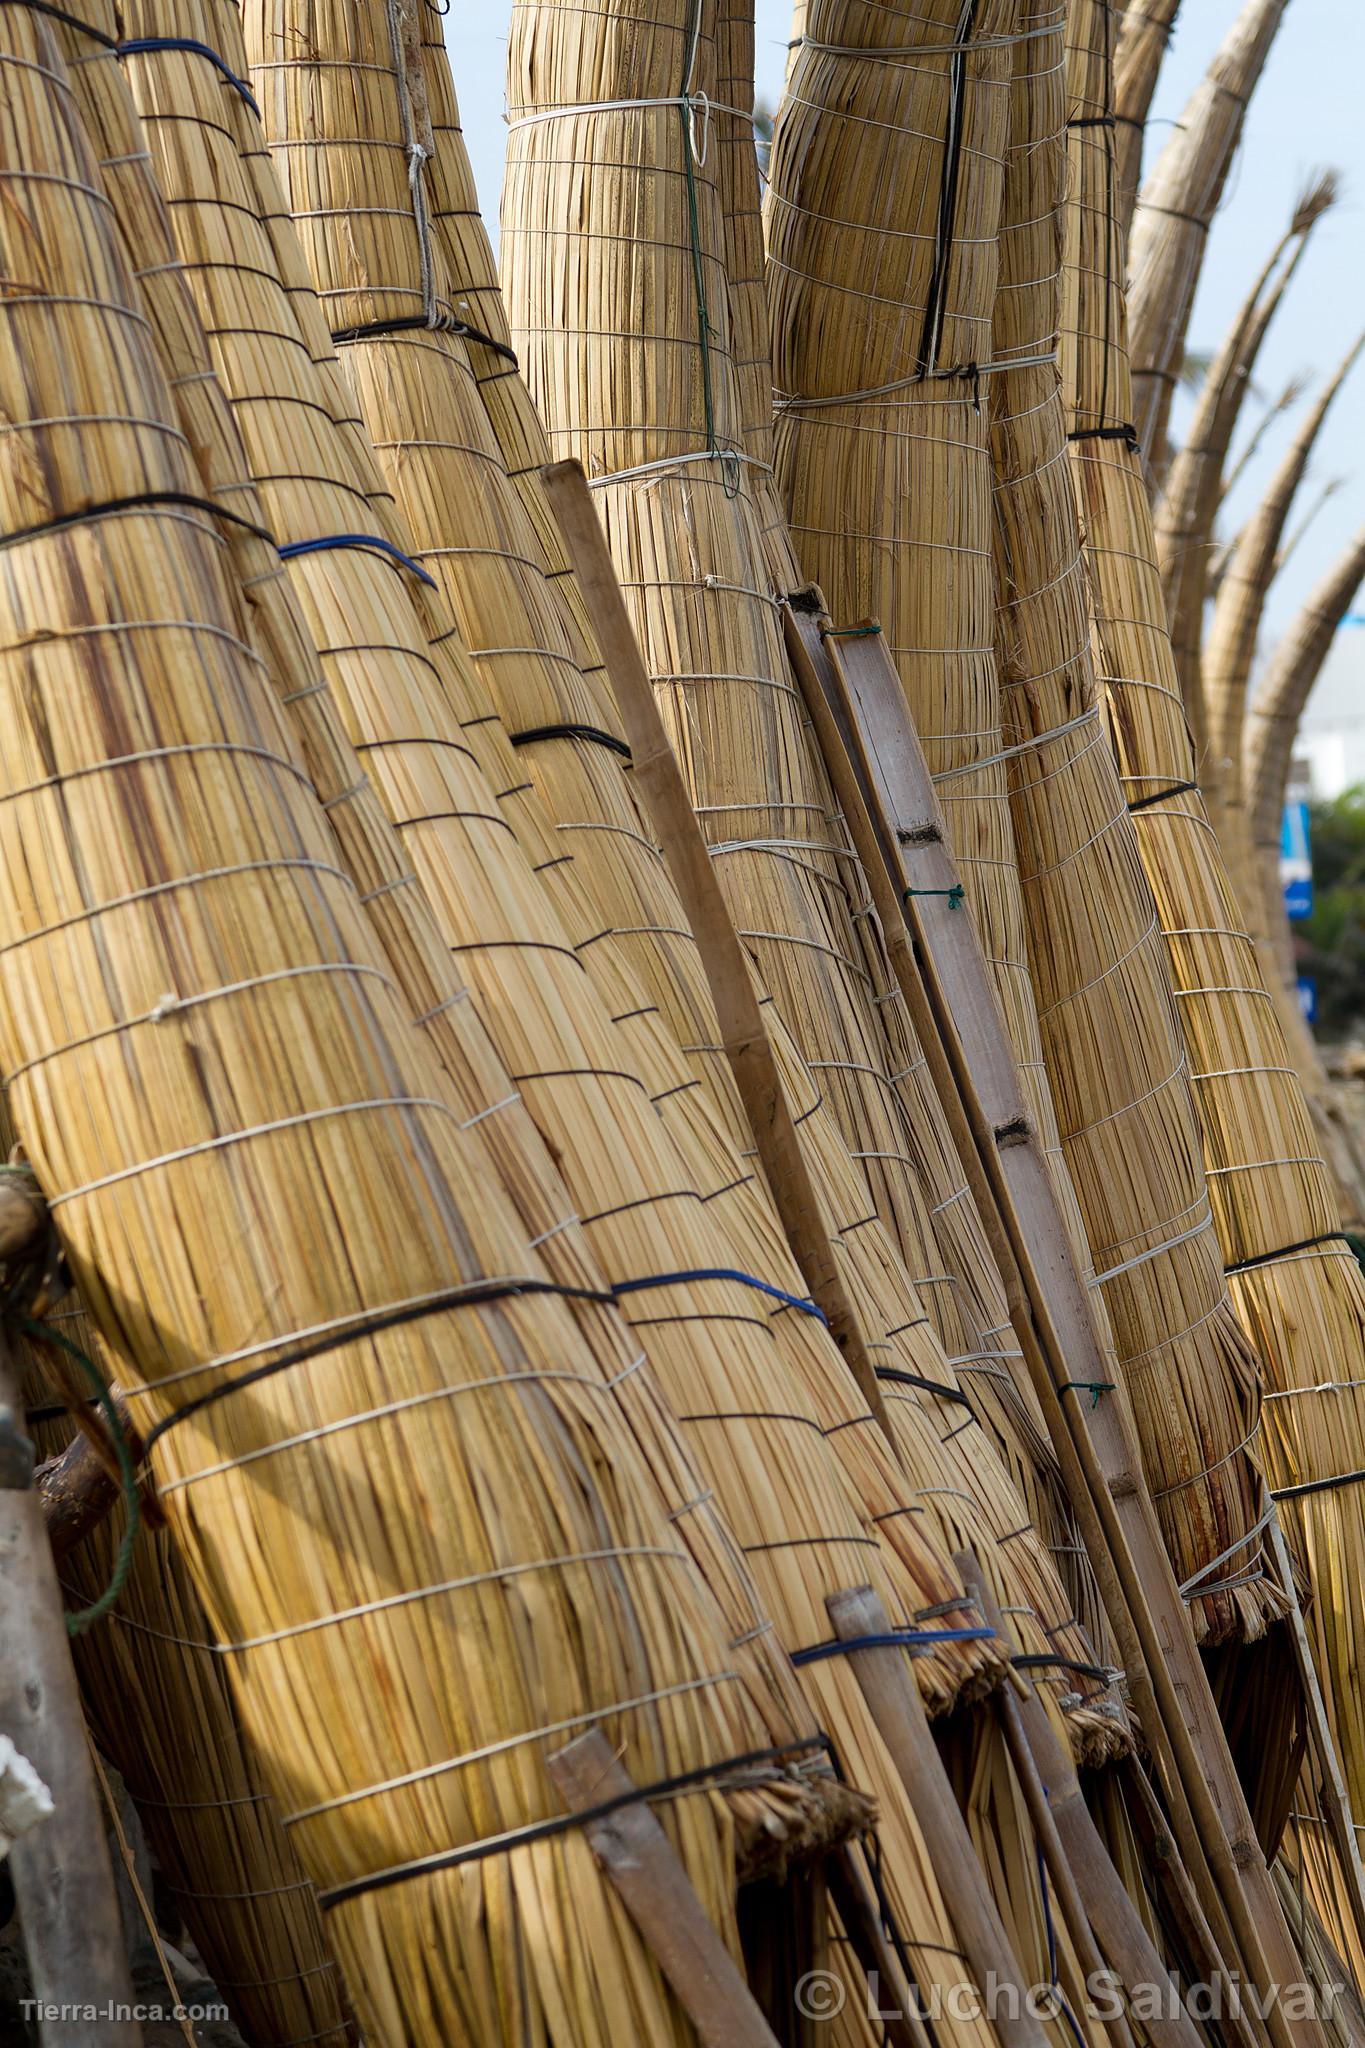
{"points": [[1306, 115]]}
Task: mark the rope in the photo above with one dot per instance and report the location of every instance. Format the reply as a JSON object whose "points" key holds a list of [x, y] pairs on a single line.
{"points": [[806, 1306], [445, 323], [141, 46], [370, 542], [136, 502], [533, 733], [707, 1777], [892, 1639]]}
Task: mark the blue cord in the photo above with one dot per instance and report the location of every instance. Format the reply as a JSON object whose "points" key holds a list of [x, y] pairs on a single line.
{"points": [[894, 1639], [372, 541], [806, 1306], [144, 45]]}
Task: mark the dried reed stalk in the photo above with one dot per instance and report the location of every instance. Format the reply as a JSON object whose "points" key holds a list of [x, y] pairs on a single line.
{"points": [[740, 203], [892, 1312], [1130, 1131], [1175, 211], [1188, 506], [1272, 722], [1193, 1387], [1295, 1286], [1144, 36], [269, 1158], [1230, 642]]}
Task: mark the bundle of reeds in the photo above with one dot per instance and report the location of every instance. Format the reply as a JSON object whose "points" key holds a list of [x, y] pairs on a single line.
{"points": [[277, 1218], [652, 407], [1175, 210], [763, 1397], [732, 1192], [968, 1316], [1128, 1127], [900, 265], [1143, 38], [1188, 507], [1233, 630], [953, 1467], [483, 1086], [1294, 1283]]}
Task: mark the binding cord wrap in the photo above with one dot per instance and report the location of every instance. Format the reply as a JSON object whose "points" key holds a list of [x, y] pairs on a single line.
{"points": [[739, 1771]]}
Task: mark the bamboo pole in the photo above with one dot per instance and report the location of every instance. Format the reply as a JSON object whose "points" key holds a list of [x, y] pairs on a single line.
{"points": [[1179, 1718], [1188, 506], [743, 1031], [862, 1623], [1174, 213]]}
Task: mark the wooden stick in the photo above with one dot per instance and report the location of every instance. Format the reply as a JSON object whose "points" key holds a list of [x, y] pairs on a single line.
{"points": [[885, 780], [640, 1861], [62, 1874], [76, 1487], [743, 1031], [898, 1711]]}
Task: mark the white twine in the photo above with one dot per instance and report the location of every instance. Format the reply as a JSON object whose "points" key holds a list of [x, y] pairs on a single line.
{"points": [[698, 138]]}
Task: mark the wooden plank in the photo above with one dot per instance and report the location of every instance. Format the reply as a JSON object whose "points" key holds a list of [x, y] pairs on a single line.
{"points": [[63, 1879], [642, 1864], [884, 1676], [887, 779], [744, 1032]]}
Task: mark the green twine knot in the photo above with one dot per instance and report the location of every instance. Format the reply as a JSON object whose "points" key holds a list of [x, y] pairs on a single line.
{"points": [[1095, 1388], [955, 894]]}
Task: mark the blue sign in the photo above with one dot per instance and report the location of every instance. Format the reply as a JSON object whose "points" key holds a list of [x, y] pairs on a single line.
{"points": [[1296, 862], [1308, 998]]}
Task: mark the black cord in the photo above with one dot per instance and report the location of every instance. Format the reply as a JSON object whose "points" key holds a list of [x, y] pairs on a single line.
{"points": [[571, 732], [412, 323], [709, 1775], [1304, 1244], [1159, 796], [133, 504]]}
